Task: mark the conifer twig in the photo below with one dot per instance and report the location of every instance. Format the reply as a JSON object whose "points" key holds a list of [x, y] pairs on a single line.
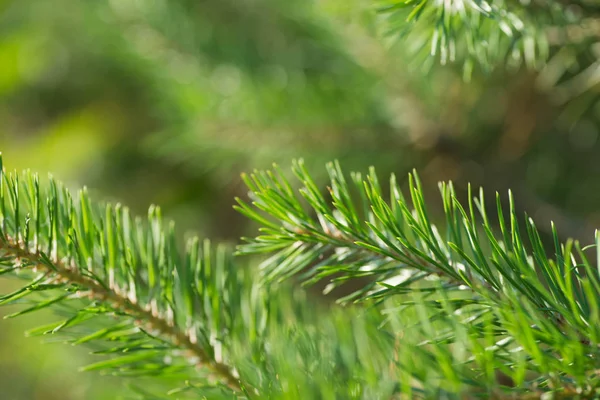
{"points": [[142, 316]]}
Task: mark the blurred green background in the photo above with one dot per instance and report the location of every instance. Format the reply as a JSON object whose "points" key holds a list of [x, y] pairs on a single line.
{"points": [[167, 102]]}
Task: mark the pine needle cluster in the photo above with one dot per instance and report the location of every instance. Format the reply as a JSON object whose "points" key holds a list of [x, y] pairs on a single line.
{"points": [[470, 305]]}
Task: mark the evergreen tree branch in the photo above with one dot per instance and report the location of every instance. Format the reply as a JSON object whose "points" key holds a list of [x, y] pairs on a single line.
{"points": [[453, 307], [58, 273], [181, 306], [357, 233], [483, 33], [191, 318], [393, 236]]}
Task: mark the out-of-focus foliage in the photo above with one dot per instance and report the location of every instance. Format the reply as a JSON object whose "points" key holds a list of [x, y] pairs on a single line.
{"points": [[488, 34], [167, 101]]}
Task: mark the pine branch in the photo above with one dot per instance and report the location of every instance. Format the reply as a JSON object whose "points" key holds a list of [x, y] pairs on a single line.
{"points": [[481, 33], [358, 221], [452, 309], [504, 290], [57, 274], [194, 319], [171, 304]]}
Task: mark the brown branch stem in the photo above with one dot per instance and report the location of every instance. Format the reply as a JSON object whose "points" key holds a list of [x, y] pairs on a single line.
{"points": [[178, 337]]}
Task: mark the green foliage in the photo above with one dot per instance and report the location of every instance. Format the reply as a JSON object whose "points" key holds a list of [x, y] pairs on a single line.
{"points": [[487, 34], [536, 313], [142, 293], [432, 304], [462, 312], [192, 321]]}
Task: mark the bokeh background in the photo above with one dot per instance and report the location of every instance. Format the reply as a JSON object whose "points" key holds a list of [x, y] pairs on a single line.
{"points": [[167, 102]]}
